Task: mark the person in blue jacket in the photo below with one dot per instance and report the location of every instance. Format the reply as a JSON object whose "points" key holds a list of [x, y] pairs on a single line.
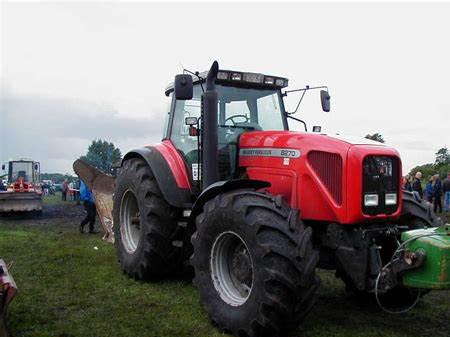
{"points": [[429, 190], [89, 205], [437, 194]]}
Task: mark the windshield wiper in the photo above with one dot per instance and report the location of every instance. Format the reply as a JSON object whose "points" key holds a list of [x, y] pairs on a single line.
{"points": [[237, 126]]}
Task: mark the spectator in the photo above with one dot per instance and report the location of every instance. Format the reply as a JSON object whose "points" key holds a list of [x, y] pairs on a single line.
{"points": [[2, 186], [417, 184], [64, 188], [77, 191], [45, 188], [437, 194], [446, 190], [407, 183], [70, 191], [89, 205], [429, 190]]}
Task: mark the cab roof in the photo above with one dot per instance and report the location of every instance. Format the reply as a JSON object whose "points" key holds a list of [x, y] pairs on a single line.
{"points": [[239, 79]]}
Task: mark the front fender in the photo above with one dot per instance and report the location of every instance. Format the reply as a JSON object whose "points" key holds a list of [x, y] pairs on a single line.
{"points": [[221, 187]]}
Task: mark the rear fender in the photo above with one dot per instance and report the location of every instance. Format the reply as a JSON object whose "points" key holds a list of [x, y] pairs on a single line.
{"points": [[169, 170]]}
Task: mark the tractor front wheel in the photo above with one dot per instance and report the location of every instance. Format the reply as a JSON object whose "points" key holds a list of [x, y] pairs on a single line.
{"points": [[254, 264]]}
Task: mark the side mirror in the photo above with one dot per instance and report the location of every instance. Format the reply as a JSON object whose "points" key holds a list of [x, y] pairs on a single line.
{"points": [[183, 87], [3, 167], [36, 167], [325, 100]]}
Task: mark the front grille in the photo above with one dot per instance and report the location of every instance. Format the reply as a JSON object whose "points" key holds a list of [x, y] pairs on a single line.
{"points": [[328, 167], [380, 177]]}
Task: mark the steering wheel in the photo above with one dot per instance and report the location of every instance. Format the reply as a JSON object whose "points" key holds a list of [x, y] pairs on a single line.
{"points": [[231, 118]]}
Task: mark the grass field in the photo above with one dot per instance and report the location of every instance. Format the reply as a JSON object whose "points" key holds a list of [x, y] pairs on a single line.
{"points": [[70, 289]]}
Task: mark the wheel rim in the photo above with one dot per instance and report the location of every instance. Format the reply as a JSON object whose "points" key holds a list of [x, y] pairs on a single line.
{"points": [[130, 226], [232, 268]]}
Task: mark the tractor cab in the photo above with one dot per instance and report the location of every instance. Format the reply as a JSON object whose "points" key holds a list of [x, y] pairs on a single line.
{"points": [[246, 102], [25, 172], [23, 191]]}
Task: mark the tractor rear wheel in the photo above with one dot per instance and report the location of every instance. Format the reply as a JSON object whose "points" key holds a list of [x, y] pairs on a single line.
{"points": [[145, 225], [254, 264]]}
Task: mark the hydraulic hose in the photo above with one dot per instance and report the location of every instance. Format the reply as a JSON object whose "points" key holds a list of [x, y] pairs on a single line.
{"points": [[387, 265]]}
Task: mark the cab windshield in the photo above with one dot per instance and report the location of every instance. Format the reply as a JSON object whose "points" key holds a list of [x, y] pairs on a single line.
{"points": [[240, 110], [22, 170], [251, 109]]}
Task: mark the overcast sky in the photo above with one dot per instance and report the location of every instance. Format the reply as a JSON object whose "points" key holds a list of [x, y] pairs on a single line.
{"points": [[73, 72]]}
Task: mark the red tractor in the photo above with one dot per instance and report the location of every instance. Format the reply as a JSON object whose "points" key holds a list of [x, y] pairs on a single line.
{"points": [[23, 191], [255, 208]]}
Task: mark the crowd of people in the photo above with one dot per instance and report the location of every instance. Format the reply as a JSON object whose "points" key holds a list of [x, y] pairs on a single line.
{"points": [[435, 190], [70, 190]]}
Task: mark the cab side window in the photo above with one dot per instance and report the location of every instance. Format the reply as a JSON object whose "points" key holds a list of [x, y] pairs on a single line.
{"points": [[167, 116], [185, 143]]}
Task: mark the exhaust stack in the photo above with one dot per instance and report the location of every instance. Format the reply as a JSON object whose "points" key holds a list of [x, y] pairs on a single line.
{"points": [[210, 168]]}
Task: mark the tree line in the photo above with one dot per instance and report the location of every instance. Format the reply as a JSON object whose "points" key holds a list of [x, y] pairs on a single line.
{"points": [[100, 154]]}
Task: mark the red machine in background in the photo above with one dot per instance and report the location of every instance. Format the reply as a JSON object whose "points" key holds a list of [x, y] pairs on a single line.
{"points": [[22, 191]]}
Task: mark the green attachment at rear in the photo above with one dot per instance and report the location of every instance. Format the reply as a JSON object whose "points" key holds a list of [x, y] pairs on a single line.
{"points": [[435, 272]]}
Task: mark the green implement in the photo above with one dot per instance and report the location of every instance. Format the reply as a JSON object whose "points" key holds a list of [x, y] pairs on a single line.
{"points": [[435, 271]]}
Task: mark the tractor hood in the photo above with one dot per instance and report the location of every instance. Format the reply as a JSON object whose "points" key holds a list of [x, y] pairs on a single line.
{"points": [[311, 169], [354, 140], [303, 141]]}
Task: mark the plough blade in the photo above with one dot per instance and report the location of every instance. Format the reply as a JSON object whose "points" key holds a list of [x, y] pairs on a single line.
{"points": [[102, 186], [8, 290]]}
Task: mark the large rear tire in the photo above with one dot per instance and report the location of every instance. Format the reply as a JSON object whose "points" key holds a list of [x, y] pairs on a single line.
{"points": [[145, 225], [417, 213], [254, 264]]}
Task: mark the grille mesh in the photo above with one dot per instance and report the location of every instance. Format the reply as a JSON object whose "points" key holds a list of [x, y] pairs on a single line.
{"points": [[328, 167]]}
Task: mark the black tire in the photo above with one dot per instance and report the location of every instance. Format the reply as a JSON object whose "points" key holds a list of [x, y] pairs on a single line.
{"points": [[417, 213], [155, 255], [284, 283]]}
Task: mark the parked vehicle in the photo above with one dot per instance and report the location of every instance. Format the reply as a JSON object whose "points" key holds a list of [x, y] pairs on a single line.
{"points": [[23, 192]]}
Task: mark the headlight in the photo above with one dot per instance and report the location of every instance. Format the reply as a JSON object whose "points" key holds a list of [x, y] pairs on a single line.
{"points": [[371, 200], [391, 199], [221, 75], [269, 80], [280, 82], [236, 76], [253, 78]]}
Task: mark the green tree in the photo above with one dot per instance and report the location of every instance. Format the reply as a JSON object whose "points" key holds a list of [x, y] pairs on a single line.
{"points": [[440, 166], [378, 137], [102, 155], [442, 157], [57, 178]]}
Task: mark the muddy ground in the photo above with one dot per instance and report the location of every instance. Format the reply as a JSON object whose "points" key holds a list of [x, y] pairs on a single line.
{"points": [[71, 285]]}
